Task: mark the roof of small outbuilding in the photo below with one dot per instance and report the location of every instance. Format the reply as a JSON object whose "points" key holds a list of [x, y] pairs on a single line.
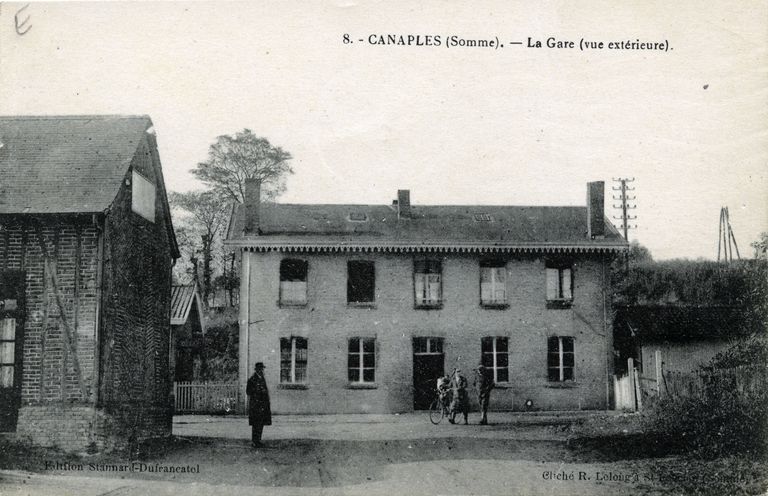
{"points": [[65, 164], [283, 226], [182, 300]]}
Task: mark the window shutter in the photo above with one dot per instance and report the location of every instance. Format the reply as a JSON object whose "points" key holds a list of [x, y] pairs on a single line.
{"points": [[567, 293], [418, 281], [552, 284], [434, 288]]}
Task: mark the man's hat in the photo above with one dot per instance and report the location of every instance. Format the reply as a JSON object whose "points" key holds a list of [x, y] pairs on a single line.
{"points": [[259, 365]]}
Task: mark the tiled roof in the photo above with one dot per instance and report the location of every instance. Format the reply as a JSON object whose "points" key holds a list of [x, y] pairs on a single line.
{"points": [[451, 227], [182, 299], [65, 164]]}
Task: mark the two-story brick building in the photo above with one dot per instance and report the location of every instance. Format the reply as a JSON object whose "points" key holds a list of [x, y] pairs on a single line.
{"points": [[86, 251], [359, 308]]}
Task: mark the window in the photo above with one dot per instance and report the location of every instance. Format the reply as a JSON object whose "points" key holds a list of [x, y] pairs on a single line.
{"points": [[428, 346], [362, 360], [559, 283], [293, 360], [493, 283], [293, 282], [427, 283], [143, 196], [560, 358], [361, 281], [495, 356], [7, 351]]}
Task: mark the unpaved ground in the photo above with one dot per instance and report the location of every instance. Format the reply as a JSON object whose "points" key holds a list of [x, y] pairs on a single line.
{"points": [[368, 455]]}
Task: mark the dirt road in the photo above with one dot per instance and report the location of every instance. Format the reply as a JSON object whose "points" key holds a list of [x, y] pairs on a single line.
{"points": [[368, 455]]}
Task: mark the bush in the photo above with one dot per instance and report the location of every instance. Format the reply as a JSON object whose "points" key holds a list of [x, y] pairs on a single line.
{"points": [[728, 417]]}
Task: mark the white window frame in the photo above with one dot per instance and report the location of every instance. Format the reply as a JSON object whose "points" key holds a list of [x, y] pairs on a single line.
{"points": [[430, 346], [495, 284], [561, 354], [293, 361], [360, 368], [494, 354]]}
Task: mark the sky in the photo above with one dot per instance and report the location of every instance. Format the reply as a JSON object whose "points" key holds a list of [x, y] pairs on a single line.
{"points": [[455, 125]]}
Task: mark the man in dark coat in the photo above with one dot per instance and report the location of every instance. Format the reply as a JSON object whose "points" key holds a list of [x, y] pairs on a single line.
{"points": [[484, 385], [259, 411], [460, 403]]}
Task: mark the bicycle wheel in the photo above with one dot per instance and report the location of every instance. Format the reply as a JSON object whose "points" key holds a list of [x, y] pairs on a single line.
{"points": [[436, 412]]}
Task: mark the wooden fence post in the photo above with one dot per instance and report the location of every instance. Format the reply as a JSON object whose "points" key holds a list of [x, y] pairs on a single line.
{"points": [[659, 374], [631, 374], [638, 390]]}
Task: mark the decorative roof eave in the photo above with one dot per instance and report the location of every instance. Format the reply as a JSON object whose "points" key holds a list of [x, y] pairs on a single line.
{"points": [[340, 247]]}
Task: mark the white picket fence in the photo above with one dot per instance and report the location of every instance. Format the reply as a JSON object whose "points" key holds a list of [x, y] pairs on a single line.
{"points": [[206, 397]]}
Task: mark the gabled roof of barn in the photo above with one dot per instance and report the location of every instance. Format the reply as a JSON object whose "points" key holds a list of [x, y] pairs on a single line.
{"points": [[70, 164], [468, 228], [67, 164]]}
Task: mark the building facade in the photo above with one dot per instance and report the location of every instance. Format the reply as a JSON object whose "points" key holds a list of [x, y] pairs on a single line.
{"points": [[360, 308], [86, 251]]}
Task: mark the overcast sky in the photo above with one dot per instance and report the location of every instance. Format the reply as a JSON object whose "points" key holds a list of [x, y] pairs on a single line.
{"points": [[517, 125]]}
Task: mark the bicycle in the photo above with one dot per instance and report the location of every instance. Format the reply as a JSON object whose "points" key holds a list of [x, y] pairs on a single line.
{"points": [[439, 409]]}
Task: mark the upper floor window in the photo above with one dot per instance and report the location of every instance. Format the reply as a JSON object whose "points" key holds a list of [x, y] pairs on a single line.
{"points": [[495, 356], [560, 358], [143, 196], [559, 282], [361, 281], [293, 360], [293, 282], [493, 283], [361, 360], [427, 283]]}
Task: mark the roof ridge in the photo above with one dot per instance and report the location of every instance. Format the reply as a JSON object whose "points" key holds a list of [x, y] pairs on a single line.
{"points": [[75, 117], [419, 205]]}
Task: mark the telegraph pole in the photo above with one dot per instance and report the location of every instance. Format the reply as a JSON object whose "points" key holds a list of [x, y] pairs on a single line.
{"points": [[726, 240], [626, 204]]}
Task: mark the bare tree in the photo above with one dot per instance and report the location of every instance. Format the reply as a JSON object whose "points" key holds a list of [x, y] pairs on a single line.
{"points": [[207, 220], [234, 159]]}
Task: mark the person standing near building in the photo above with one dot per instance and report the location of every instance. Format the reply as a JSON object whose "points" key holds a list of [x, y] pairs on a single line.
{"points": [[259, 411], [484, 385], [460, 397]]}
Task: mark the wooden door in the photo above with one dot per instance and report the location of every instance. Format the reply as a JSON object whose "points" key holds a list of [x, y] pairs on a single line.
{"points": [[11, 346], [428, 364]]}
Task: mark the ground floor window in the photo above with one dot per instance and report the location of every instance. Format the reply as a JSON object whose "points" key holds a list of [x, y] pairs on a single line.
{"points": [[361, 362], [495, 356], [293, 360], [560, 358], [7, 348]]}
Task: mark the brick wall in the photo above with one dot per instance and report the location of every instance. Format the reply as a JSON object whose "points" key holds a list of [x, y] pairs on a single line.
{"points": [[327, 322], [48, 368], [134, 354]]}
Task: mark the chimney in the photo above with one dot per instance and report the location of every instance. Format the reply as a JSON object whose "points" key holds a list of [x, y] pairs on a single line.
{"points": [[251, 204], [595, 209], [404, 203]]}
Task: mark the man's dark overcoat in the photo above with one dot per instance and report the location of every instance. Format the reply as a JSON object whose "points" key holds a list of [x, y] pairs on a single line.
{"points": [[259, 411]]}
